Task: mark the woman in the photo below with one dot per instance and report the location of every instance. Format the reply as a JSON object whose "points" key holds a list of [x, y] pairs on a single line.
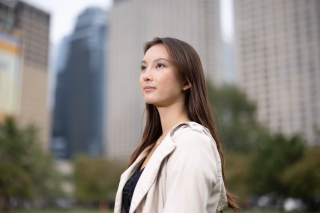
{"points": [[177, 167]]}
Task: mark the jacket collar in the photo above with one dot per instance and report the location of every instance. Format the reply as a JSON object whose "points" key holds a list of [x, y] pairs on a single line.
{"points": [[150, 171]]}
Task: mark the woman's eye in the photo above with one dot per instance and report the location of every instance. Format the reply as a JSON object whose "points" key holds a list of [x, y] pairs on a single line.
{"points": [[160, 64], [143, 67]]}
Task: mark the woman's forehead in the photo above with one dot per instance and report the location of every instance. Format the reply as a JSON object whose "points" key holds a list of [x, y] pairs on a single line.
{"points": [[156, 51]]}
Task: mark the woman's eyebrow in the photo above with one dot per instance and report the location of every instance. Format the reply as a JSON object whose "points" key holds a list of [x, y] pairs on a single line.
{"points": [[158, 59]]}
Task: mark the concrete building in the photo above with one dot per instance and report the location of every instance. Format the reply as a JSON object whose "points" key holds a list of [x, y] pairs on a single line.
{"points": [[134, 22], [278, 52], [78, 125], [30, 26]]}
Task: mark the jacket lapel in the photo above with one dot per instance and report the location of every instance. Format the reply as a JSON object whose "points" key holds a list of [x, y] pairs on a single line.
{"points": [[150, 172], [125, 177]]}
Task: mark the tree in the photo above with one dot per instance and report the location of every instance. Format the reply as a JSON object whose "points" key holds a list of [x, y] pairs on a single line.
{"points": [[302, 178], [240, 130], [272, 159], [26, 170], [237, 168], [96, 178]]}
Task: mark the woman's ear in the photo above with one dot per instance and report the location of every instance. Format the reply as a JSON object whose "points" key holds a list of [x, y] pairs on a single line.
{"points": [[186, 85]]}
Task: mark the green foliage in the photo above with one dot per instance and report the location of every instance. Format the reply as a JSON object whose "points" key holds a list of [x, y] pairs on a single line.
{"points": [[96, 178], [237, 174], [302, 179], [236, 118], [272, 159], [26, 170], [258, 162], [14, 181]]}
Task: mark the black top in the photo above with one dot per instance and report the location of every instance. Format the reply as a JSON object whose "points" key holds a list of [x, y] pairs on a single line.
{"points": [[129, 187]]}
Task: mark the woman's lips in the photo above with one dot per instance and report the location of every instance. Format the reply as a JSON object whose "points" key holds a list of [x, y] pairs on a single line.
{"points": [[149, 89]]}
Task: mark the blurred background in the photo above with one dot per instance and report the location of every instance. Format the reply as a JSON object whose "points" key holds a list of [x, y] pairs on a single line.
{"points": [[72, 112]]}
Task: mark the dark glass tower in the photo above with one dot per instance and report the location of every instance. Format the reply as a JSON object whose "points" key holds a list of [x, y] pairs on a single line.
{"points": [[78, 123]]}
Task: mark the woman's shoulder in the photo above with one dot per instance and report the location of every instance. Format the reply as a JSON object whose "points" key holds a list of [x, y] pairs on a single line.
{"points": [[191, 133], [194, 149], [190, 128]]}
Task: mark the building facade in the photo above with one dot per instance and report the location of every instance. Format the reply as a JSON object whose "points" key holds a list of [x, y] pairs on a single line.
{"points": [[29, 26], [78, 125], [134, 22], [278, 52]]}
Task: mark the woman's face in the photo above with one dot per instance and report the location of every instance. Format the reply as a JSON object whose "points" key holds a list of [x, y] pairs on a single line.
{"points": [[166, 82]]}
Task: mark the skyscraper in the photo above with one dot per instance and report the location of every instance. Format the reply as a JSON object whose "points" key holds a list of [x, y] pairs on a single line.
{"points": [[29, 28], [132, 24], [78, 125], [278, 52]]}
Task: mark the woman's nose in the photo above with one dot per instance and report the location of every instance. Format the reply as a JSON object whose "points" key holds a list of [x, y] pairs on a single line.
{"points": [[147, 75]]}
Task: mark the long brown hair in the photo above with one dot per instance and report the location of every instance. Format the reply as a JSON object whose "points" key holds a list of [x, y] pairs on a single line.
{"points": [[187, 61]]}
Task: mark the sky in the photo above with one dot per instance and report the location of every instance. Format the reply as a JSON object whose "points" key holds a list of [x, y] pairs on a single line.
{"points": [[226, 20], [64, 14]]}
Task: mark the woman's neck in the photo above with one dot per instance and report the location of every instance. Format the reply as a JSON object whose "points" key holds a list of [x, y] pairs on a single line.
{"points": [[171, 116]]}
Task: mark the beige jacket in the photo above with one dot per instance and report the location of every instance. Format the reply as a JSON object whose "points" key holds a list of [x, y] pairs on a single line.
{"points": [[182, 175]]}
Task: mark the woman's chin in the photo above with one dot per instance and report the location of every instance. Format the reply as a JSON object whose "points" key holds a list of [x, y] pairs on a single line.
{"points": [[150, 102]]}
